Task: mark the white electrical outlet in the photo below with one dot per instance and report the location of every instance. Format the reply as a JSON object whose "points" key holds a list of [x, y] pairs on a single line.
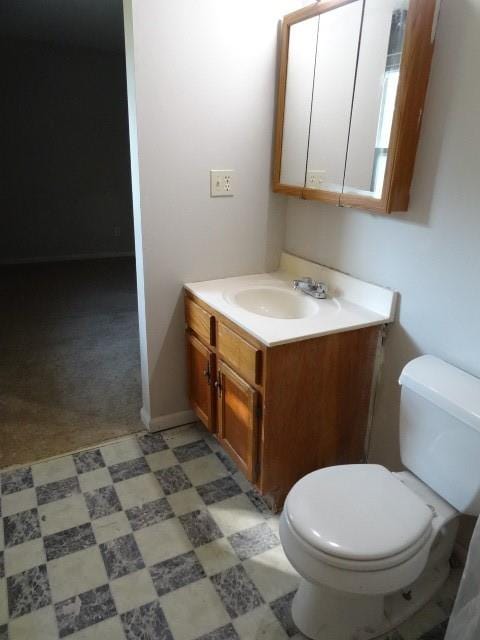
{"points": [[221, 182], [315, 177]]}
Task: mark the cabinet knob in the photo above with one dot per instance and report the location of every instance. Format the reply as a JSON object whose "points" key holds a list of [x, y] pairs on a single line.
{"points": [[206, 373]]}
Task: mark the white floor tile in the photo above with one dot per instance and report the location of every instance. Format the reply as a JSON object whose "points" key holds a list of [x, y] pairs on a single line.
{"points": [[19, 501], [216, 556], [161, 460], [63, 514], [133, 590], [121, 451], [24, 556], [53, 470], [161, 541], [183, 435], [136, 491], [259, 623], [235, 514], [185, 501], [75, 573], [110, 527], [94, 479], [3, 601], [272, 573], [205, 610], [110, 629], [204, 469], [38, 625]]}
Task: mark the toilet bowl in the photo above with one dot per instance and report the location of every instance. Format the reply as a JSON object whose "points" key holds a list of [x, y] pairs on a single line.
{"points": [[356, 534], [373, 546]]}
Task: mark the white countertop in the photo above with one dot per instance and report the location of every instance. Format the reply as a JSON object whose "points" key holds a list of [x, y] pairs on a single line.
{"points": [[351, 304]]}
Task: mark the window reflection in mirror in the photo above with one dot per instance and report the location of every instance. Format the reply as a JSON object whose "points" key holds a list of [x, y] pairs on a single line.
{"points": [[378, 72]]}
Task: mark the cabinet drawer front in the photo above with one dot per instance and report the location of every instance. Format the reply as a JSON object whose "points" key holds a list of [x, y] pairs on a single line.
{"points": [[200, 321], [239, 354]]}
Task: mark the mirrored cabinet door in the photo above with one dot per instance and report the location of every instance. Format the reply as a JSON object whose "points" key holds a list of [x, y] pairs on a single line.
{"points": [[335, 64], [376, 87], [298, 100]]}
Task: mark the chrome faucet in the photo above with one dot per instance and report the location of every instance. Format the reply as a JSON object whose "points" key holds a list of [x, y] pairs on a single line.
{"points": [[311, 287]]}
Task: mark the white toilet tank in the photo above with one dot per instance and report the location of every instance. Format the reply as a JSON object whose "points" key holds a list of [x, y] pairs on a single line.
{"points": [[440, 430]]}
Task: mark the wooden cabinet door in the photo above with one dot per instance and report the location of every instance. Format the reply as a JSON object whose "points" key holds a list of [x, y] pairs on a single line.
{"points": [[237, 419], [201, 374]]}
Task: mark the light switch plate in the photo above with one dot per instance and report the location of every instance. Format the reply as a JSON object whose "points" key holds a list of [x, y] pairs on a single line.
{"points": [[221, 183]]}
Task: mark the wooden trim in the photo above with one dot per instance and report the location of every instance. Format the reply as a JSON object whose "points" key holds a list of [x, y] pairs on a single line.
{"points": [[414, 76], [320, 195]]}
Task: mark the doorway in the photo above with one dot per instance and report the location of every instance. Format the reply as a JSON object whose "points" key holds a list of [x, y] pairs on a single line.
{"points": [[69, 349]]}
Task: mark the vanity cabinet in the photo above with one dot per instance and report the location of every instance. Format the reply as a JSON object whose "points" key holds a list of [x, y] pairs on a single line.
{"points": [[283, 411], [352, 85]]}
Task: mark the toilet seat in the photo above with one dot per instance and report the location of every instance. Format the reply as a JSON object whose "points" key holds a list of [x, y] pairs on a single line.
{"points": [[358, 517]]}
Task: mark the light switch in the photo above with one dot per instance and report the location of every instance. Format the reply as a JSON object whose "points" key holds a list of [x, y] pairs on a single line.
{"points": [[221, 182]]}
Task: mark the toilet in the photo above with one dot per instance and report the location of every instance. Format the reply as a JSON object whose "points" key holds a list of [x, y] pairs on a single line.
{"points": [[372, 546]]}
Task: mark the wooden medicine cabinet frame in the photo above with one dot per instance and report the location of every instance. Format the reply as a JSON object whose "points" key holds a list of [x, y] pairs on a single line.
{"points": [[412, 88]]}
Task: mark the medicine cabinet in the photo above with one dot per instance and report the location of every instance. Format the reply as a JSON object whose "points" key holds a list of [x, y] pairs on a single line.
{"points": [[352, 85]]}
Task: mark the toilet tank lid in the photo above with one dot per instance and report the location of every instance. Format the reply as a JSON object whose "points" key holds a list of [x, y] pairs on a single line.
{"points": [[449, 388]]}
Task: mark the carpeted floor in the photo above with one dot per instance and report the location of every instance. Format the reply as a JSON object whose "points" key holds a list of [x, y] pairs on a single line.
{"points": [[69, 357]]}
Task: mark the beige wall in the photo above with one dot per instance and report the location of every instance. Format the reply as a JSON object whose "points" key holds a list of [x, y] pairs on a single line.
{"points": [[204, 75]]}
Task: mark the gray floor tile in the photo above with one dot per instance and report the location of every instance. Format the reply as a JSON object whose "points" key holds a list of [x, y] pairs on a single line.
{"points": [[2, 565], [102, 502], [151, 443], [176, 572], [258, 502], [251, 542], [28, 591], [282, 608], [68, 541], [4, 632], [149, 513], [17, 480], [121, 556], [88, 460], [192, 450], [129, 469], [200, 527], [84, 610], [173, 479], [57, 490], [217, 490], [226, 461], [237, 592], [148, 622], [226, 632], [21, 527]]}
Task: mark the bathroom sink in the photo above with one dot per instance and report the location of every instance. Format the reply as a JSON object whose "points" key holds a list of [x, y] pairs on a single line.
{"points": [[274, 302]]}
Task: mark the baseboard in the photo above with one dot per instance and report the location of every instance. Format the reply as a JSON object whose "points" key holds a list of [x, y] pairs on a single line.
{"points": [[66, 258], [167, 422]]}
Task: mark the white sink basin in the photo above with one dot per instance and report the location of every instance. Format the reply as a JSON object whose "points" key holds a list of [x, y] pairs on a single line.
{"points": [[274, 302]]}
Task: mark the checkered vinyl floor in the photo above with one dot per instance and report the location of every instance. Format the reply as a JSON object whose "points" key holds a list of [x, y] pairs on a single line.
{"points": [[153, 536]]}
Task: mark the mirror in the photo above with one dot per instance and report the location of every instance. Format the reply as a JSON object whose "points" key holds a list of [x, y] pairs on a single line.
{"points": [[378, 72], [347, 66], [298, 99], [331, 105]]}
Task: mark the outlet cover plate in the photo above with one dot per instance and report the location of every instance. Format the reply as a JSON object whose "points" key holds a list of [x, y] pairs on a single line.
{"points": [[221, 183]]}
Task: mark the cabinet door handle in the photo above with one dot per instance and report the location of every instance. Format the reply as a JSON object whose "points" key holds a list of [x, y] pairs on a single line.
{"points": [[218, 386], [206, 373]]}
